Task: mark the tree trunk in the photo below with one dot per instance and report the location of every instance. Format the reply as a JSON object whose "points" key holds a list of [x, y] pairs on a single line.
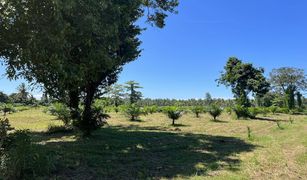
{"points": [[74, 105], [173, 122], [88, 124]]}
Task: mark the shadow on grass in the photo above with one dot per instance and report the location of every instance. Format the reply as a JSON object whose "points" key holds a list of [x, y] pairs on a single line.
{"points": [[268, 119], [179, 125], [117, 153], [218, 121]]}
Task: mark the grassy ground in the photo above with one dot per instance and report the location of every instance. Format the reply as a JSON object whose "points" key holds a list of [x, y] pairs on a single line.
{"points": [[197, 148]]}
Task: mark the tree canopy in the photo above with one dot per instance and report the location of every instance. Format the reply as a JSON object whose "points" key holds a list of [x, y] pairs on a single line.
{"points": [[73, 48], [289, 81], [243, 78], [285, 77]]}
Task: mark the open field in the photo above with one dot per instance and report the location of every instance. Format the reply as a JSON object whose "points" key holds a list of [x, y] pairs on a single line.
{"points": [[197, 148]]}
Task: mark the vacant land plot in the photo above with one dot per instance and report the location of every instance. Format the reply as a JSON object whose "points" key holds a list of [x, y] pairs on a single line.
{"points": [[196, 148]]}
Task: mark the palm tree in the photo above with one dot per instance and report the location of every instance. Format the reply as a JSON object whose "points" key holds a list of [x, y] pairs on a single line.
{"points": [[22, 92]]}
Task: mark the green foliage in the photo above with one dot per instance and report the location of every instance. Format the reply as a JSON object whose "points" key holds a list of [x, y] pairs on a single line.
{"points": [[215, 111], [228, 110], [61, 111], [173, 113], [4, 98], [299, 97], [197, 110], [288, 80], [75, 49], [249, 133], [133, 111], [243, 79], [151, 109], [273, 109], [116, 94], [99, 113], [278, 123], [7, 108], [283, 110], [241, 112], [291, 120], [253, 112], [208, 99], [133, 94], [5, 127], [24, 160]]}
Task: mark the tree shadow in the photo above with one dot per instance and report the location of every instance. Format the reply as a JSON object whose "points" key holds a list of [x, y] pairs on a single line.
{"points": [[268, 119], [219, 121], [119, 153], [179, 125]]}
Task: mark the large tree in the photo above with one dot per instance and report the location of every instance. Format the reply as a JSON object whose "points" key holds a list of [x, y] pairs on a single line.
{"points": [[244, 79], [74, 48], [132, 91], [288, 81], [116, 94]]}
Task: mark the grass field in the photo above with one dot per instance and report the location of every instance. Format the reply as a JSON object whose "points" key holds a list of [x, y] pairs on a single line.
{"points": [[197, 148]]}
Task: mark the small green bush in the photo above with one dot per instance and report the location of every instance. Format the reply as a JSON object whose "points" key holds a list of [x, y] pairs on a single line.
{"points": [[215, 111], [173, 113], [253, 112], [274, 109], [61, 111], [264, 111], [283, 110], [228, 110], [151, 109], [7, 108], [241, 112], [197, 110], [249, 133], [25, 160], [5, 127], [99, 112], [133, 111]]}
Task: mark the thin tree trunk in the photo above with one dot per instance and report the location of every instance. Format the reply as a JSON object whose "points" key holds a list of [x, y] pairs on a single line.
{"points": [[173, 122]]}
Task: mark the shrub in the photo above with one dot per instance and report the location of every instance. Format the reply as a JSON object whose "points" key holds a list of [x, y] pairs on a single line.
{"points": [[215, 111], [100, 114], [241, 112], [264, 110], [249, 133], [253, 112], [283, 110], [173, 113], [228, 110], [7, 108], [133, 111], [278, 123], [198, 110], [5, 127], [61, 111], [151, 109], [273, 109], [25, 160]]}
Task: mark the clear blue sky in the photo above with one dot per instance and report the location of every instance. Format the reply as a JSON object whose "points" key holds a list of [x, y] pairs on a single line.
{"points": [[184, 59]]}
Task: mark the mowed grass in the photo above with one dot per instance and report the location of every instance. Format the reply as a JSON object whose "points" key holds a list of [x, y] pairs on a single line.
{"points": [[196, 148]]}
